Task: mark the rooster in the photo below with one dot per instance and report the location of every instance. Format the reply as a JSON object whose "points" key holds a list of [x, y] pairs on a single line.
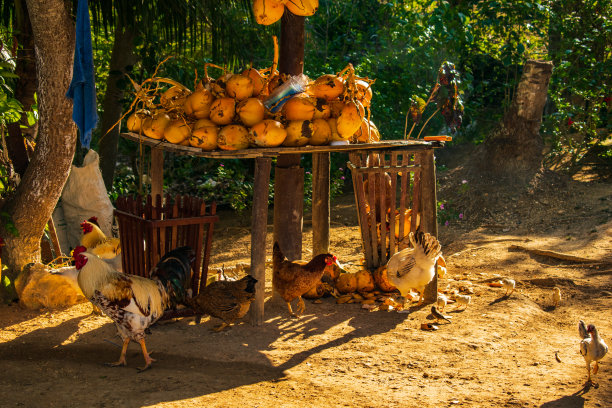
{"points": [[227, 300], [293, 279], [134, 303], [592, 347], [413, 268], [96, 242]]}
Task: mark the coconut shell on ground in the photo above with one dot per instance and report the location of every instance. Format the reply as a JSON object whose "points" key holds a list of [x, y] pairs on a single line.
{"points": [[38, 288]]}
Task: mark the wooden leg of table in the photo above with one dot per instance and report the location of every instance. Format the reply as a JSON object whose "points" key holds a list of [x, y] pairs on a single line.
{"points": [[430, 207], [289, 205], [258, 236], [320, 203], [157, 172]]}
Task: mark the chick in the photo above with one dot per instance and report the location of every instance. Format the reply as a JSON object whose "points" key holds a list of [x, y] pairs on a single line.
{"points": [[508, 284], [463, 300], [442, 301], [556, 296]]}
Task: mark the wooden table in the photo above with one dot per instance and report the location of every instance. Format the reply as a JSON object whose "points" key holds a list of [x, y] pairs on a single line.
{"points": [[320, 207]]}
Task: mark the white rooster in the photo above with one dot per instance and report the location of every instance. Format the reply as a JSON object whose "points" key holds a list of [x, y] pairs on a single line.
{"points": [[413, 268], [592, 347]]}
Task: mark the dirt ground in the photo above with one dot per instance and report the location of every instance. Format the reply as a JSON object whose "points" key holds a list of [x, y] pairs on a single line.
{"points": [[499, 352]]}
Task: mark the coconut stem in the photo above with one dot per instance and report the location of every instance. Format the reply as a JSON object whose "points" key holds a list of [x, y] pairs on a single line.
{"points": [[425, 124]]}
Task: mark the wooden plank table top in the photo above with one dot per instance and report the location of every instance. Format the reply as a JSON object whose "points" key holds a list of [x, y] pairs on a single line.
{"points": [[252, 153]]}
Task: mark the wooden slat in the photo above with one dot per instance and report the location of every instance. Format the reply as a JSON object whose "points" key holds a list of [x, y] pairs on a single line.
{"points": [[382, 207], [372, 217], [360, 201], [393, 201], [320, 203]]}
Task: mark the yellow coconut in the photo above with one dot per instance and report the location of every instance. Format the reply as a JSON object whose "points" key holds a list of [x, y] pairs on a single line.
{"points": [[335, 137], [321, 134], [267, 133], [239, 87], [174, 97], [335, 107], [267, 11], [200, 123], [256, 78], [322, 109], [205, 137], [298, 133], [407, 223], [136, 120], [223, 110], [198, 103], [154, 126], [300, 107], [302, 7], [327, 87], [233, 137], [251, 111], [177, 131], [367, 132], [349, 120], [273, 82], [382, 280], [346, 283], [365, 281], [364, 92]]}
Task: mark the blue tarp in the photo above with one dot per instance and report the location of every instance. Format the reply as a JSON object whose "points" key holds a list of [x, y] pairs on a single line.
{"points": [[82, 89]]}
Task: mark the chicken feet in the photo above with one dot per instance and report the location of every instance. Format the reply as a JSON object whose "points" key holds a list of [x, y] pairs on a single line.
{"points": [[122, 361], [301, 307], [220, 327], [147, 356]]}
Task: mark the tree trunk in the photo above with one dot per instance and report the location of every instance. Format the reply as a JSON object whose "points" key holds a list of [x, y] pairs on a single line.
{"points": [[122, 57], [41, 186], [515, 148]]}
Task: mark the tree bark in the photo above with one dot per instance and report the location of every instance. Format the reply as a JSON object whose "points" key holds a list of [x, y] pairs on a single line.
{"points": [[42, 183], [515, 148], [122, 57]]}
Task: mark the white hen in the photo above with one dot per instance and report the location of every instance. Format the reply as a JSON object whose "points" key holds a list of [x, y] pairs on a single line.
{"points": [[413, 268], [592, 347]]}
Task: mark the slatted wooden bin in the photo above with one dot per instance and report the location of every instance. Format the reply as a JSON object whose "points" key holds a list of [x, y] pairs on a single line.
{"points": [[149, 230], [396, 177]]}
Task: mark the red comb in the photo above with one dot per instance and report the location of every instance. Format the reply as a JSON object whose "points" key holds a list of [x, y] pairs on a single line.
{"points": [[93, 220], [78, 250], [86, 227]]}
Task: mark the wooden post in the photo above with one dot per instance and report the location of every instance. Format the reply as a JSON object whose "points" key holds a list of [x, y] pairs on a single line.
{"points": [[320, 203], [259, 224], [289, 176], [157, 172], [429, 222]]}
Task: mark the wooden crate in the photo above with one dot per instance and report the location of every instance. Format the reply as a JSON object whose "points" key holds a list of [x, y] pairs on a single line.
{"points": [[149, 230], [396, 176]]}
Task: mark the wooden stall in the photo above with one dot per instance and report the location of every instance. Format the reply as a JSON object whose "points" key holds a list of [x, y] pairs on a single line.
{"points": [[423, 150]]}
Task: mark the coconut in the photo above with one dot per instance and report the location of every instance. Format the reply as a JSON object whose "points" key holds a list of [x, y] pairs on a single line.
{"points": [[251, 111], [322, 109], [136, 120], [177, 131], [257, 80], [335, 137], [205, 137], [327, 87], [346, 283], [303, 7], [364, 92], [267, 11], [198, 103], [321, 134], [267, 133], [274, 81], [223, 110], [407, 223], [365, 281], [349, 120], [174, 97], [335, 107], [367, 132], [299, 107], [298, 133], [154, 126], [239, 87], [233, 137], [381, 279]]}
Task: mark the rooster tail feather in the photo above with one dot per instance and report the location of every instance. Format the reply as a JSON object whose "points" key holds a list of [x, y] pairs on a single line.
{"points": [[277, 255], [582, 330], [429, 243]]}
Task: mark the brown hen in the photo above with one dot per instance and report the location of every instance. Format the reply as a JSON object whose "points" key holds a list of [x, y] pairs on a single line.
{"points": [[292, 279], [225, 300]]}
